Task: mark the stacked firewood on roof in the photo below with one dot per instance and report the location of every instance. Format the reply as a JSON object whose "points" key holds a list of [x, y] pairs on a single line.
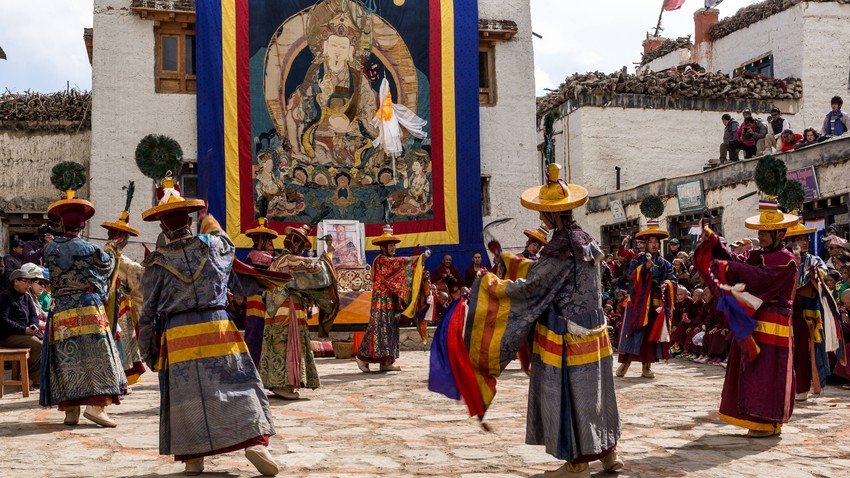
{"points": [[671, 83], [755, 13], [667, 47], [33, 111]]}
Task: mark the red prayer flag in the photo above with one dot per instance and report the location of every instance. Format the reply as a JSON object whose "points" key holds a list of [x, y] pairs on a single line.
{"points": [[670, 5]]}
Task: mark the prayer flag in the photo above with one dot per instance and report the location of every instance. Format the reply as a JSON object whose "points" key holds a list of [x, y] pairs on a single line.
{"points": [[670, 5], [712, 3]]}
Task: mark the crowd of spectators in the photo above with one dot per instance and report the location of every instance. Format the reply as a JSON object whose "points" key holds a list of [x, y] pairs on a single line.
{"points": [[755, 137], [699, 332]]}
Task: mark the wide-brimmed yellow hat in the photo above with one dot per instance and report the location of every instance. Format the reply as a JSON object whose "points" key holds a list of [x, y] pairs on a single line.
{"points": [[170, 202], [386, 237], [261, 230], [55, 210], [538, 235], [799, 230], [121, 225], [653, 229], [770, 218], [554, 196]]}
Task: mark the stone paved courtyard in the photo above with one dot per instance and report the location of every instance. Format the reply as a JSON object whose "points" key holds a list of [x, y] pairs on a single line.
{"points": [[360, 425]]}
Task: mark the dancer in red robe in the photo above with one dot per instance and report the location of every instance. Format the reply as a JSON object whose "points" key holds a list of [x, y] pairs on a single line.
{"points": [[756, 293]]}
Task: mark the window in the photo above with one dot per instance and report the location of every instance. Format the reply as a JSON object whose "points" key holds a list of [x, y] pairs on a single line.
{"points": [[485, 195], [762, 66], [486, 74], [613, 234], [175, 57], [681, 227]]}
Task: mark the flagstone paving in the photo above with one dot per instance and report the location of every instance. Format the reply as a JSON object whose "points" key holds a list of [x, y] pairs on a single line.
{"points": [[360, 425]]}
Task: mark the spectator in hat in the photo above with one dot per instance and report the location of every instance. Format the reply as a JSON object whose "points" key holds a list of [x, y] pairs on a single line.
{"points": [[836, 122], [776, 125], [730, 128], [760, 132], [672, 250], [19, 321], [789, 140], [13, 260]]}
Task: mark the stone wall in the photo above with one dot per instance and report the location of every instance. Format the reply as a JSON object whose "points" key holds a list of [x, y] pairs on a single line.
{"points": [[26, 159], [125, 109], [508, 138]]}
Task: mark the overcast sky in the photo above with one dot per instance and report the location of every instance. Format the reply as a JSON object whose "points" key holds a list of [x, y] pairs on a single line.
{"points": [[603, 35], [43, 39]]}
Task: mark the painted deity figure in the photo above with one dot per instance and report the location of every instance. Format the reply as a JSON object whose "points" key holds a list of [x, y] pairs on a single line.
{"points": [[328, 118]]}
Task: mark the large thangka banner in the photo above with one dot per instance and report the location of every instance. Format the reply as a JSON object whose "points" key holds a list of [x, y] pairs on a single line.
{"points": [[350, 105]]}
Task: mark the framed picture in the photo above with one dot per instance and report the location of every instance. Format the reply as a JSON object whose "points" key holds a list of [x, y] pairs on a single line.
{"points": [[348, 239]]}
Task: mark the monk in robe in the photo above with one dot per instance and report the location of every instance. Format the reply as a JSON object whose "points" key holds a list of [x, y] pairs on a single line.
{"points": [[397, 283], [758, 392], [680, 320]]}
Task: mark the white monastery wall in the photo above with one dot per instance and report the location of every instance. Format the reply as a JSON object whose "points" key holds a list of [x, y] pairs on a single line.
{"points": [[125, 108], [647, 144], [826, 59], [508, 136], [778, 34], [670, 60]]}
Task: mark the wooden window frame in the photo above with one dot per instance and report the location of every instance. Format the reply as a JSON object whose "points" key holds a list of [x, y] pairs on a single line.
{"points": [[487, 95], [185, 83]]}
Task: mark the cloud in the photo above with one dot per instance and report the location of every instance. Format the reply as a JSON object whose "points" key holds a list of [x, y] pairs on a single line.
{"points": [[542, 80], [603, 35], [43, 40]]}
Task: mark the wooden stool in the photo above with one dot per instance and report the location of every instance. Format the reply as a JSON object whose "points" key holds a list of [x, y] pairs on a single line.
{"points": [[18, 357]]}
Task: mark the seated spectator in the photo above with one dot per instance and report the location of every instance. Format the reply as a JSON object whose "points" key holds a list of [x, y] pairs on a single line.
{"points": [[844, 280], [19, 321], [789, 140], [835, 247], [446, 272], [777, 124], [810, 137], [706, 320], [474, 270], [840, 260], [831, 282], [759, 133], [744, 140], [13, 260], [730, 128], [680, 320], [836, 122], [38, 291], [680, 271]]}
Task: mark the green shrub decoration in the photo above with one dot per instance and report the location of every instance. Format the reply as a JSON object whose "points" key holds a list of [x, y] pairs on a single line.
{"points": [[68, 175], [770, 176], [158, 154], [652, 207], [792, 196]]}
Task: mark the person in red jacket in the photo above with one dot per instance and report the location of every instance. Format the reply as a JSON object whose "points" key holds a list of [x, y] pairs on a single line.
{"points": [[789, 140]]}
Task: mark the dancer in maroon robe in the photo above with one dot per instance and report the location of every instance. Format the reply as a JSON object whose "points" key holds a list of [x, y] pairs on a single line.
{"points": [[758, 393]]}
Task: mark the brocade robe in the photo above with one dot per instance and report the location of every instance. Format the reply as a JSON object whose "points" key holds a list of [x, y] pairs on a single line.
{"points": [[397, 283], [287, 358], [124, 305], [557, 308], [211, 397], [80, 361], [646, 325]]}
